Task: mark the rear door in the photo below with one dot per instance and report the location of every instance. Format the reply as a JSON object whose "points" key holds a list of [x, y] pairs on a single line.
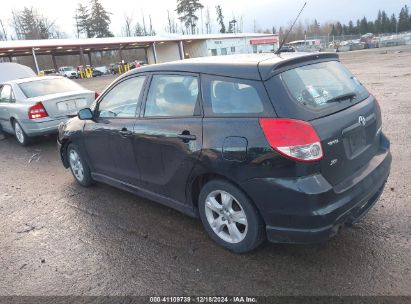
{"points": [[108, 138], [345, 116], [168, 135]]}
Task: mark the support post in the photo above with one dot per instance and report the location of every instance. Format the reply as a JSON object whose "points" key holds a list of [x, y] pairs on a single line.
{"points": [[82, 61], [89, 58], [120, 52], [54, 62], [35, 60], [181, 49], [146, 55], [154, 52]]}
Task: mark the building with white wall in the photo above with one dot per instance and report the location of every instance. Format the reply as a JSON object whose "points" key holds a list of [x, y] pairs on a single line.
{"points": [[156, 49], [212, 45]]}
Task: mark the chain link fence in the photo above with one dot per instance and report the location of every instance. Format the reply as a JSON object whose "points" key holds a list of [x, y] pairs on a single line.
{"points": [[350, 42]]}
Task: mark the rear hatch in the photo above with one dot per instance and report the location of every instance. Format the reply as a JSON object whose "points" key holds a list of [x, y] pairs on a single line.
{"points": [[346, 117], [349, 138]]}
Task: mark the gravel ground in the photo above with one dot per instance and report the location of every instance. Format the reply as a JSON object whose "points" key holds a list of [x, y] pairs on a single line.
{"points": [[57, 238]]}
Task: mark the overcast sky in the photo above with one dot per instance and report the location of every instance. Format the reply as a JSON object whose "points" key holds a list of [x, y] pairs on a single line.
{"points": [[267, 13]]}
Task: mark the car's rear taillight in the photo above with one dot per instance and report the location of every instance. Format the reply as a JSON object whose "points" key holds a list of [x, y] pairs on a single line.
{"points": [[37, 111], [294, 139], [96, 95]]}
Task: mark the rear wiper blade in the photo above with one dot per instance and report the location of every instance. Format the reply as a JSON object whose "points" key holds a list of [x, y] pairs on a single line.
{"points": [[349, 96]]}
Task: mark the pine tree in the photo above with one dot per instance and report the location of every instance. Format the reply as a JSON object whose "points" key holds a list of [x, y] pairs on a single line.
{"points": [[385, 23], [393, 24], [333, 31], [351, 29], [378, 23], [232, 26], [187, 10], [138, 30], [404, 19], [99, 20], [220, 18], [83, 21], [363, 29], [315, 27]]}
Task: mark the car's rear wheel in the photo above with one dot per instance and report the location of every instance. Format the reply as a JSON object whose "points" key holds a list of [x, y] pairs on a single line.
{"points": [[229, 217], [78, 166], [21, 136]]}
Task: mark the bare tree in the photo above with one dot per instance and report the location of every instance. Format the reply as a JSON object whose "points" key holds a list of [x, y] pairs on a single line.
{"points": [[3, 34], [144, 24], [151, 26], [127, 29], [172, 25]]}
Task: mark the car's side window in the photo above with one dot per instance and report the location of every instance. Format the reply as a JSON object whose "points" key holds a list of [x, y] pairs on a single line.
{"points": [[234, 96], [172, 96], [5, 94], [225, 96], [122, 100]]}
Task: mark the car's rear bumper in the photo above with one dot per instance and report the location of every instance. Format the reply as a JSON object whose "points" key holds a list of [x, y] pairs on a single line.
{"points": [[42, 126], [309, 209]]}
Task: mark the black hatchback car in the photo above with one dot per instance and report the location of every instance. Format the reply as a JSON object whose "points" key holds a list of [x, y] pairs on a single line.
{"points": [[285, 147]]}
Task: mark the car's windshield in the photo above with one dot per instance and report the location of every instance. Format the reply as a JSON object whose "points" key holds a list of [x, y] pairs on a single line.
{"points": [[321, 84], [43, 87], [68, 69]]}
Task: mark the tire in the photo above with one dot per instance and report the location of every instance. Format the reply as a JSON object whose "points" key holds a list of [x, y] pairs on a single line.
{"points": [[20, 135], [236, 225], [78, 166]]}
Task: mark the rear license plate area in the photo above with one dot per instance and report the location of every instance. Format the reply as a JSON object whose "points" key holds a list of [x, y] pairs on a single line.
{"points": [[71, 105], [355, 142]]}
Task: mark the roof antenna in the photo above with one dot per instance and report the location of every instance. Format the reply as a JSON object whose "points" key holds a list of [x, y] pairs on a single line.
{"points": [[277, 52]]}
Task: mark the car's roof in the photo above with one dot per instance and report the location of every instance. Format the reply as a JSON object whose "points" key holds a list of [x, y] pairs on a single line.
{"points": [[247, 66], [23, 80], [12, 70]]}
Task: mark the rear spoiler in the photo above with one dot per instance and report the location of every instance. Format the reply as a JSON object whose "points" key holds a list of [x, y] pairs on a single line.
{"points": [[270, 68]]}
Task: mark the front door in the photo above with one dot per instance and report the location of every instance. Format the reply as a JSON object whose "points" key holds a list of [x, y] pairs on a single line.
{"points": [[108, 138], [168, 135]]}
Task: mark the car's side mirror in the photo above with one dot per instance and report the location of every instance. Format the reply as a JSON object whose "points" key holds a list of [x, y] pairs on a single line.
{"points": [[85, 114]]}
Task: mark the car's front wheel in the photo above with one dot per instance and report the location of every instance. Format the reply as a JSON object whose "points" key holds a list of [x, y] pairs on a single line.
{"points": [[21, 136], [78, 166], [229, 217]]}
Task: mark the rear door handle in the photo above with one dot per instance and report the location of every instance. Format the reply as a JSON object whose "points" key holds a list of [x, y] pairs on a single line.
{"points": [[186, 137], [125, 133]]}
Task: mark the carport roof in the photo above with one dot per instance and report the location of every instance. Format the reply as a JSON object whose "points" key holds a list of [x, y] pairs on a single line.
{"points": [[15, 48]]}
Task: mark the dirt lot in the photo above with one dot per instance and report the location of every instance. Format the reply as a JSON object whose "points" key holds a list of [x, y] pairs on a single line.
{"points": [[57, 238]]}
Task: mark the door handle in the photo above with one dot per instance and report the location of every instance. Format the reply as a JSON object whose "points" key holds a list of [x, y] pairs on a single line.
{"points": [[186, 137], [125, 133]]}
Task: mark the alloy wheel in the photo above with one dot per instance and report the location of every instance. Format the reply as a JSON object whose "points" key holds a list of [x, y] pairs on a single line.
{"points": [[19, 133], [226, 216], [76, 165]]}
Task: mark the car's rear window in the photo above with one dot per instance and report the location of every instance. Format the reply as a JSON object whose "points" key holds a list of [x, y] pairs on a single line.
{"points": [[323, 85], [43, 87]]}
